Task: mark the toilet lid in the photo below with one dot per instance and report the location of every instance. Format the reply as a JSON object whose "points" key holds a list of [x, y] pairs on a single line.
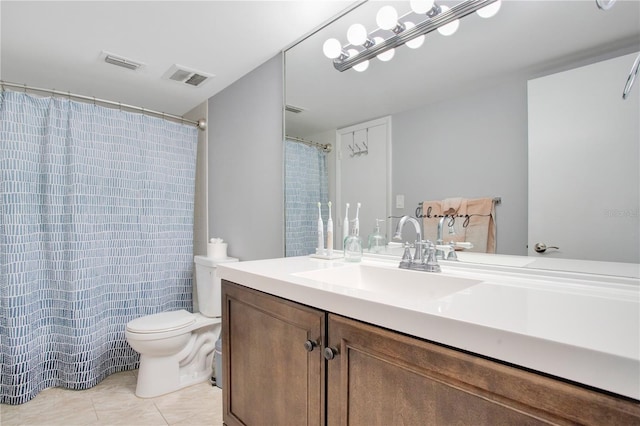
{"points": [[159, 323]]}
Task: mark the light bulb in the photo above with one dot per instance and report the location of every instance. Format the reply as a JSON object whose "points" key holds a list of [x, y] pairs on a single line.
{"points": [[384, 56], [387, 18], [490, 10], [416, 42], [332, 48], [362, 66], [421, 6], [357, 34], [451, 27]]}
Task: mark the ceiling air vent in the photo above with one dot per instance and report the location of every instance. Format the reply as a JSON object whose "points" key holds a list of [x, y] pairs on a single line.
{"points": [[293, 109], [186, 75], [120, 61]]}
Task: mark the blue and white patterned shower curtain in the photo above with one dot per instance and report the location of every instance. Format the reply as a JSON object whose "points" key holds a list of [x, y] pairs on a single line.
{"points": [[96, 229], [306, 184]]}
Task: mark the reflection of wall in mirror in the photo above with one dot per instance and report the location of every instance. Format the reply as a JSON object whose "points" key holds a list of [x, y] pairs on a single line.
{"points": [[471, 146]]}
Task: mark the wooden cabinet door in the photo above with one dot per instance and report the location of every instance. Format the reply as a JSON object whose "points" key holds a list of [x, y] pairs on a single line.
{"points": [[269, 376], [379, 377]]}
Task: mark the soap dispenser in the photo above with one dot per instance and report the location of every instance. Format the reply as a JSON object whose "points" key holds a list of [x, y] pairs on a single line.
{"points": [[353, 246], [377, 241]]}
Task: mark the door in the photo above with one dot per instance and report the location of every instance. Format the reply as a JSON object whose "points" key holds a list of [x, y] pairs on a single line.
{"points": [[363, 175], [586, 206], [378, 377], [272, 362]]}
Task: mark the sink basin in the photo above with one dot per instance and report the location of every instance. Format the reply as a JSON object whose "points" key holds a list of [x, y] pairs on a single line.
{"points": [[392, 281]]}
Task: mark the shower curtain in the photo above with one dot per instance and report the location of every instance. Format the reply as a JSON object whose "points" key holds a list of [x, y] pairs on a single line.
{"points": [[306, 184], [96, 229]]}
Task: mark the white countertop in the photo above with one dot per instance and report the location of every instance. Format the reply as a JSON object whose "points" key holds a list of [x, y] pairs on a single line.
{"points": [[581, 327]]}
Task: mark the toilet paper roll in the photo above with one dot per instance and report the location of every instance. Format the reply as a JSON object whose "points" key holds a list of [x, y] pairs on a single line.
{"points": [[217, 250]]}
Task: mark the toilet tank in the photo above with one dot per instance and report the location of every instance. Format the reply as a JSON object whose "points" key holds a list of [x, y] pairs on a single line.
{"points": [[208, 287]]}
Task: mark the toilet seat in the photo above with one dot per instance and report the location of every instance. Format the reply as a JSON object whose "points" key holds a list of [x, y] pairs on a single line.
{"points": [[161, 322]]}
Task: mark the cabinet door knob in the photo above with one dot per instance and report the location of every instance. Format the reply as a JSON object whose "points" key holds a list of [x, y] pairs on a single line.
{"points": [[309, 345], [330, 353]]}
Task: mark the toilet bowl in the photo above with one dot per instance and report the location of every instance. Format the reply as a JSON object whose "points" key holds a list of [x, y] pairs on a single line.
{"points": [[176, 348]]}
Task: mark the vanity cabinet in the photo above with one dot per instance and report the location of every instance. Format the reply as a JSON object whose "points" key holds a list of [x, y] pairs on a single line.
{"points": [[382, 377], [375, 376], [273, 369]]}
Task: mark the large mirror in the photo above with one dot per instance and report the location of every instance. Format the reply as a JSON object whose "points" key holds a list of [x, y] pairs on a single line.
{"points": [[460, 113]]}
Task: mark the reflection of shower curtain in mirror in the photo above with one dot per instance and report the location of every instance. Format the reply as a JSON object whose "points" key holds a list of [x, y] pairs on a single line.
{"points": [[306, 184], [96, 229]]}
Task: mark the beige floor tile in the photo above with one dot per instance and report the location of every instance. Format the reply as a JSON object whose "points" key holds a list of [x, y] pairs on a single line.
{"points": [[119, 401], [201, 404], [113, 402], [51, 407], [122, 382], [145, 415], [208, 419]]}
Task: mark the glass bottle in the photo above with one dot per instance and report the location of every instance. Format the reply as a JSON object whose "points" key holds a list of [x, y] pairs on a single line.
{"points": [[353, 246], [377, 241]]}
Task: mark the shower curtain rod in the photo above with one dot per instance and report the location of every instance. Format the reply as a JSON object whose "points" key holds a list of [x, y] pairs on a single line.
{"points": [[200, 124], [326, 147]]}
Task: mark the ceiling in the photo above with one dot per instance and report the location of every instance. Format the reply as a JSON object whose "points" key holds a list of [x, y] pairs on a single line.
{"points": [[59, 44]]}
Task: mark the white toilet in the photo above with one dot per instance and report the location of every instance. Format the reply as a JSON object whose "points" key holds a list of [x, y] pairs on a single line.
{"points": [[176, 348]]}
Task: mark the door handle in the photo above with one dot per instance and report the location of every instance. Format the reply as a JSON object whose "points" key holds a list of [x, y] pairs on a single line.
{"points": [[542, 247]]}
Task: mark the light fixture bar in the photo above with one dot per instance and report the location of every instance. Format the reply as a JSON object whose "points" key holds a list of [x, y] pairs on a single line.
{"points": [[430, 24]]}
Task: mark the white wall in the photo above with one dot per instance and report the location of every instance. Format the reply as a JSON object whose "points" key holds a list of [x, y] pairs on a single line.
{"points": [[473, 146], [245, 164]]}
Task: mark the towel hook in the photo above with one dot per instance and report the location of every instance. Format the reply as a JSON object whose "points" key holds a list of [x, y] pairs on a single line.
{"points": [[632, 77]]}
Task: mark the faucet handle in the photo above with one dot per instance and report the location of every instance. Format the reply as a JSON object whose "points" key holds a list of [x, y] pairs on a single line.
{"points": [[432, 261], [452, 252], [419, 255], [405, 263], [425, 248]]}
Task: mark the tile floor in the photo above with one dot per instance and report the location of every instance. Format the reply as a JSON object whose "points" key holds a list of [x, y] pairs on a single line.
{"points": [[113, 402]]}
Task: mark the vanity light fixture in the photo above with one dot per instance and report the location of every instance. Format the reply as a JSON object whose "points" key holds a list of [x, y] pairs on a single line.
{"points": [[393, 31]]}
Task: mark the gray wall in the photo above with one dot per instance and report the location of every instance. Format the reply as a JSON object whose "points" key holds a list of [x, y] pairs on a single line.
{"points": [[200, 219], [245, 164], [473, 146]]}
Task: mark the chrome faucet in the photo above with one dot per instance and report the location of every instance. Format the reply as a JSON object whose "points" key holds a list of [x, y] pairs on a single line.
{"points": [[418, 256], [417, 262], [451, 252], [439, 238]]}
